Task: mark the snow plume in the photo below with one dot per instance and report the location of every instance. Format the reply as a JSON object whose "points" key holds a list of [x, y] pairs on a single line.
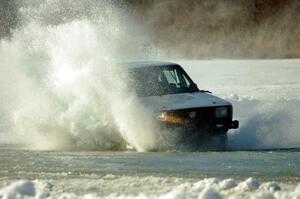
{"points": [[266, 124], [59, 86]]}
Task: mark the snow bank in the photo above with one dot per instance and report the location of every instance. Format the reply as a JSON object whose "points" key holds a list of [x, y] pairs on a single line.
{"points": [[20, 189], [26, 189], [210, 188]]}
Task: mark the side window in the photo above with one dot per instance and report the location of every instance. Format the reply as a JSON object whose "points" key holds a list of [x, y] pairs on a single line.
{"points": [[176, 78], [171, 76]]}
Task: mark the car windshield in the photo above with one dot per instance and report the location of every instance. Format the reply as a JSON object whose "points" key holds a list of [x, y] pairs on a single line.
{"points": [[160, 80]]}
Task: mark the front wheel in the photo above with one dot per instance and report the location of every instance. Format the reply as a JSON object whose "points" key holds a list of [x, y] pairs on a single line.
{"points": [[216, 142], [222, 141]]}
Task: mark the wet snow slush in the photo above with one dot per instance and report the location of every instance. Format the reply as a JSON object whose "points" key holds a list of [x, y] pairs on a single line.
{"points": [[66, 133]]}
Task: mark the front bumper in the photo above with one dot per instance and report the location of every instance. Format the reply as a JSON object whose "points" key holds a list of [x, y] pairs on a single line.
{"points": [[201, 120]]}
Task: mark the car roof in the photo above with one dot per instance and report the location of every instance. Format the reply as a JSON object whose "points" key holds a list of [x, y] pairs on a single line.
{"points": [[141, 64]]}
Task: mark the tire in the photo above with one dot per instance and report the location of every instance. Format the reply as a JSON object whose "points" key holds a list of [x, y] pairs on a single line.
{"points": [[217, 142], [222, 142]]}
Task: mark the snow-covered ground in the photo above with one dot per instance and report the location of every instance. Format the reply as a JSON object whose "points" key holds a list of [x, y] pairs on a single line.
{"points": [[260, 79], [148, 187]]}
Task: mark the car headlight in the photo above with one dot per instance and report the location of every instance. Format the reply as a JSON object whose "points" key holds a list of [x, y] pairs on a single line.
{"points": [[221, 112], [170, 118]]}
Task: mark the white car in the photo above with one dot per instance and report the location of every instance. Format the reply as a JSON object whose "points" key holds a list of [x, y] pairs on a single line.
{"points": [[179, 104]]}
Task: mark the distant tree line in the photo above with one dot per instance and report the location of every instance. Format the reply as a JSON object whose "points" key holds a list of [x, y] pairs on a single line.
{"points": [[206, 28]]}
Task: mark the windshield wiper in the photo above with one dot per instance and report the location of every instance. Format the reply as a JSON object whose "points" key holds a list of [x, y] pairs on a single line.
{"points": [[204, 91], [193, 88]]}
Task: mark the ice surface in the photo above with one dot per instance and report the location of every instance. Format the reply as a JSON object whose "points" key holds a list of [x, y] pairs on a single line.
{"points": [[148, 175]]}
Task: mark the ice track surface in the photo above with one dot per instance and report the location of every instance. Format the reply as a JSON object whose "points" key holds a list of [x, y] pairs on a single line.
{"points": [[273, 174]]}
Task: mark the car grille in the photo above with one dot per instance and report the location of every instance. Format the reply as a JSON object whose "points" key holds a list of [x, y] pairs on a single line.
{"points": [[203, 118]]}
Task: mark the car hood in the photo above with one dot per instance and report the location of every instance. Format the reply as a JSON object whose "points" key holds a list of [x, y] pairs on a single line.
{"points": [[182, 101]]}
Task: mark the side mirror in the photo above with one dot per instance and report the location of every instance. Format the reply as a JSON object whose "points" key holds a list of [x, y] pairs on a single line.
{"points": [[235, 124]]}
